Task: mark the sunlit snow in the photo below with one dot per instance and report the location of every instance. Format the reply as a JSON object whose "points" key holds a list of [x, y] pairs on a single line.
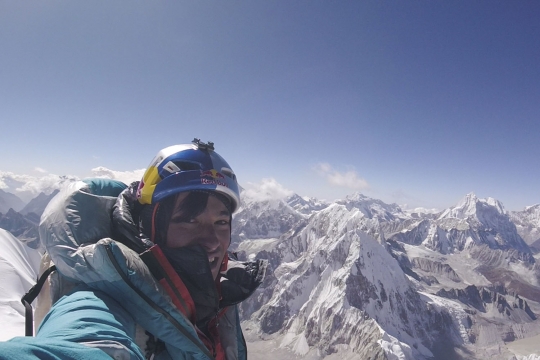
{"points": [[19, 266]]}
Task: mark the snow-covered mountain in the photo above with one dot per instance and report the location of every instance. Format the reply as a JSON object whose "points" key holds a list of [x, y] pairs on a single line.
{"points": [[373, 208], [337, 287], [364, 279], [305, 205], [472, 222], [528, 225], [270, 218], [359, 278]]}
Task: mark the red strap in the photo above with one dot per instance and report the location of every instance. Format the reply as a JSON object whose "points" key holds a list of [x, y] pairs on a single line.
{"points": [[153, 231], [174, 286]]}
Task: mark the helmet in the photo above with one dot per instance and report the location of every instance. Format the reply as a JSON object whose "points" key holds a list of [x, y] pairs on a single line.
{"points": [[188, 167]]}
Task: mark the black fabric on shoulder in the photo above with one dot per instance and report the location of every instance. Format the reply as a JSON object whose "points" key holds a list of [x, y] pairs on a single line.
{"points": [[241, 280], [191, 264], [125, 218]]}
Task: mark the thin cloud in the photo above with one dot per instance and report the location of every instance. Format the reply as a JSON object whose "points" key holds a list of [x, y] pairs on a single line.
{"points": [[267, 189], [127, 177], [348, 179], [11, 181], [28, 186], [403, 199]]}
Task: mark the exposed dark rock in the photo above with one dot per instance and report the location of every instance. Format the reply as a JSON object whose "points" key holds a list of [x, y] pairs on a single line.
{"points": [[479, 297], [398, 252], [359, 290], [512, 281], [436, 268], [273, 318]]}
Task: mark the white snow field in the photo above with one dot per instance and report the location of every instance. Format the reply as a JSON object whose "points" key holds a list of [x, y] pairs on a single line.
{"points": [[19, 267]]}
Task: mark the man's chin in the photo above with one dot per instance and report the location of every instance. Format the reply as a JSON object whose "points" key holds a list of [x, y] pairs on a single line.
{"points": [[215, 266]]}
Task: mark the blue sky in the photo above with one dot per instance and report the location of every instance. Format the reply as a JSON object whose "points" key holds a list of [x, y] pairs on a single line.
{"points": [[413, 102]]}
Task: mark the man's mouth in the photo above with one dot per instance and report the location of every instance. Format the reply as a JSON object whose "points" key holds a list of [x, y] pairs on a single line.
{"points": [[213, 260]]}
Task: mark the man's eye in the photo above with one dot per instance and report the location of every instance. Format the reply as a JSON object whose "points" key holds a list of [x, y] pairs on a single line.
{"points": [[222, 222], [179, 220]]}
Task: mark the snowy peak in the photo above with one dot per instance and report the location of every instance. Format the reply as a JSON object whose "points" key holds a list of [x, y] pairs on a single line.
{"points": [[334, 279], [530, 216], [306, 205], [264, 219], [472, 206], [268, 215], [373, 208], [528, 225], [472, 222]]}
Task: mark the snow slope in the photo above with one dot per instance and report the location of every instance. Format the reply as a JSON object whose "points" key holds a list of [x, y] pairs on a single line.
{"points": [[19, 266]]}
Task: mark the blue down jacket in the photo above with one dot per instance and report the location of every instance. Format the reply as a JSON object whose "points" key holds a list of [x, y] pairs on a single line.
{"points": [[114, 297]]}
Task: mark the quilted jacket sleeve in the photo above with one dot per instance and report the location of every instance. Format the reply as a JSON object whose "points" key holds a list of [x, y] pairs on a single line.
{"points": [[85, 324]]}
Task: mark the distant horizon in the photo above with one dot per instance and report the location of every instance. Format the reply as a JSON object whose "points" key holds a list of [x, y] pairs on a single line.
{"points": [[268, 188]]}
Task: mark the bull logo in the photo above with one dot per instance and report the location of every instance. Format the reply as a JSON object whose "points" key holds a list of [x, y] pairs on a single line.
{"points": [[214, 174], [213, 177]]}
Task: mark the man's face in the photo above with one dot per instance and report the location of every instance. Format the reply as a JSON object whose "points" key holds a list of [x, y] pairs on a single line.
{"points": [[211, 229]]}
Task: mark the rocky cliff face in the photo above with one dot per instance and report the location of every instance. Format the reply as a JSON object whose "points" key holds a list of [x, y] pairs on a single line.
{"points": [[9, 201]]}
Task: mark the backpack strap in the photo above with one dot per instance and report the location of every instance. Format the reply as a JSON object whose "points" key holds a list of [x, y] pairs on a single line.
{"points": [[29, 297]]}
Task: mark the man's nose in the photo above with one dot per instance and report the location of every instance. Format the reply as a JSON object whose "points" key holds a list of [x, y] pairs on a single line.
{"points": [[208, 238]]}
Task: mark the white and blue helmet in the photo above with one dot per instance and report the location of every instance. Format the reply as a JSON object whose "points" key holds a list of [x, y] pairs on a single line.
{"points": [[188, 167]]}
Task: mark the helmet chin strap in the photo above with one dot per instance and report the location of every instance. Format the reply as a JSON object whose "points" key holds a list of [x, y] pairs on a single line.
{"points": [[224, 264], [153, 231]]}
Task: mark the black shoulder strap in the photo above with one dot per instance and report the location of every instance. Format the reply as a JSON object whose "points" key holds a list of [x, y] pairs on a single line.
{"points": [[30, 296]]}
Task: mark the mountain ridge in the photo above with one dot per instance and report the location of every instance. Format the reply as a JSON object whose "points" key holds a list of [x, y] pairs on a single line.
{"points": [[359, 277]]}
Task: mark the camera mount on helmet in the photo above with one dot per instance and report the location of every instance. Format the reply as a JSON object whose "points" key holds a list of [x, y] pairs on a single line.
{"points": [[203, 146]]}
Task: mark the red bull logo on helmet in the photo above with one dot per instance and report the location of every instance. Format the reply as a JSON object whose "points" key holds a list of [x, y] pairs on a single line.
{"points": [[214, 174], [212, 177]]}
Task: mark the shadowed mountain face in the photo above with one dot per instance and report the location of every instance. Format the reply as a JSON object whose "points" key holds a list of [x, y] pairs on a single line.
{"points": [[38, 204], [25, 228], [9, 201], [24, 224]]}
